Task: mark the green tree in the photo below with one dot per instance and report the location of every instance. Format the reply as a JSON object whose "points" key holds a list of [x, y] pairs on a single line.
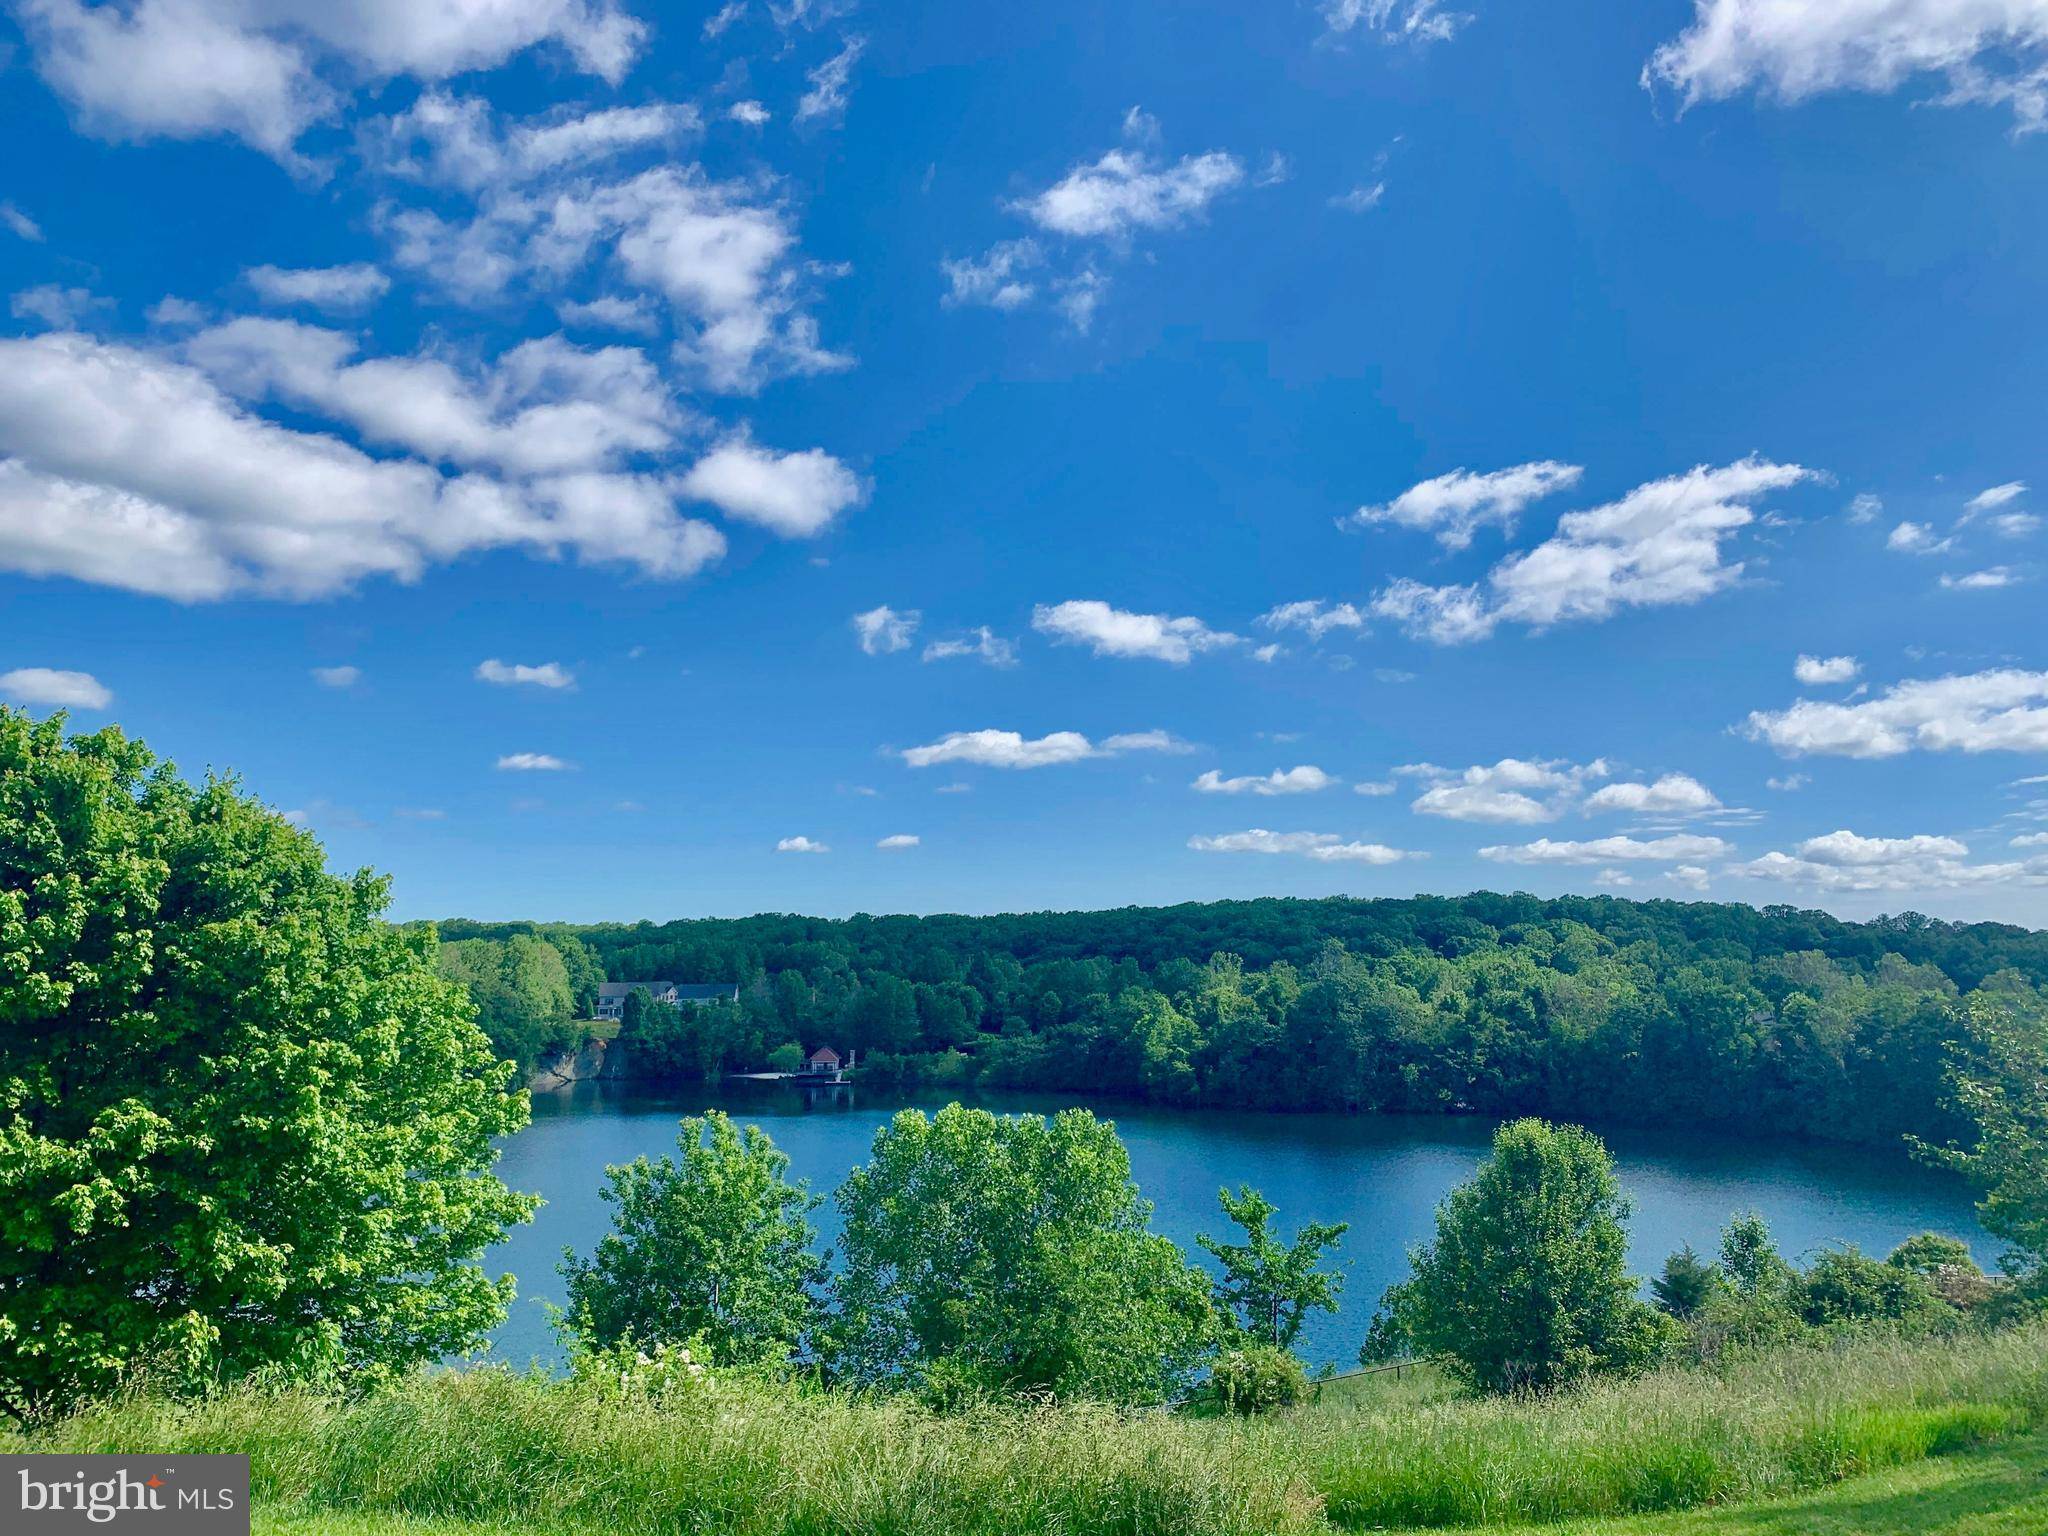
{"points": [[1687, 1284], [1926, 1253], [1268, 1286], [716, 1247], [1751, 1260], [1847, 1287], [243, 1121], [1526, 1283], [1010, 1255], [2000, 1081]]}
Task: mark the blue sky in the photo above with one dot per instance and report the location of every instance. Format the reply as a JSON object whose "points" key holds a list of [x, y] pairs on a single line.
{"points": [[600, 461]]}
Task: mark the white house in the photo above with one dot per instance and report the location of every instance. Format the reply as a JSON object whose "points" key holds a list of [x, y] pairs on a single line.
{"points": [[612, 995]]}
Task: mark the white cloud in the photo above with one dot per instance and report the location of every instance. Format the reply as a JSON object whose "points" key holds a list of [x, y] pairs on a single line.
{"points": [[996, 277], [1127, 190], [1819, 671], [549, 674], [1993, 51], [1789, 783], [723, 17], [543, 406], [982, 643], [58, 307], [1313, 617], [1680, 847], [750, 113], [134, 471], [56, 688], [347, 288], [1511, 790], [1660, 544], [1411, 21], [1845, 861], [20, 224], [1915, 539], [1374, 787], [723, 255], [1303, 780], [2004, 710], [337, 677], [460, 141], [801, 845], [610, 312], [1266, 654], [1361, 198], [267, 70], [1674, 794], [900, 840], [2016, 525], [1011, 749], [1325, 847], [794, 495], [1115, 632], [1981, 581], [1692, 876], [533, 762], [883, 631], [2030, 840], [1865, 507], [1996, 497], [1455, 506], [826, 98], [170, 310]]}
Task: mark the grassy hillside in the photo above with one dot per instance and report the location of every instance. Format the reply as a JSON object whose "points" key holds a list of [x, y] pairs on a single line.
{"points": [[487, 1451]]}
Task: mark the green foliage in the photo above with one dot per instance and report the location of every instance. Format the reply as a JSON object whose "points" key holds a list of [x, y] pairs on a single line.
{"points": [[787, 1057], [1690, 1014], [1751, 1260], [988, 1255], [244, 1125], [1525, 1285], [1268, 1286], [1687, 1284], [1847, 1287], [1257, 1378], [715, 1249], [1926, 1253], [2000, 1079], [525, 999]]}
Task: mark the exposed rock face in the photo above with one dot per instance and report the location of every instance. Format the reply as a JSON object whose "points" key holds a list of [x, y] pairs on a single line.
{"points": [[587, 1063]]}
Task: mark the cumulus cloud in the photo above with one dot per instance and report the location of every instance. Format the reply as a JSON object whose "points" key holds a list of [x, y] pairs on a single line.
{"points": [[883, 631], [56, 306], [20, 225], [544, 406], [794, 495], [1988, 579], [548, 674], [1991, 51], [129, 469], [2003, 710], [1011, 749], [267, 70], [899, 840], [1819, 671], [981, 643], [1915, 539], [1511, 790], [1661, 544], [1313, 617], [1996, 497], [1675, 794], [2016, 525], [533, 762], [801, 845], [1111, 631], [997, 277], [56, 688], [1845, 861], [352, 287], [1324, 847], [750, 113], [460, 141], [337, 677], [1302, 780], [1678, 848], [1455, 506], [1127, 190]]}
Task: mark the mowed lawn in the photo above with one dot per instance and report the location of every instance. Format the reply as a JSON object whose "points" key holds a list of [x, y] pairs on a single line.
{"points": [[2000, 1491]]}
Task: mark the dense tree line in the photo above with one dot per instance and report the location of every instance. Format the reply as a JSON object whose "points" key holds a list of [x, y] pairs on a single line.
{"points": [[1575, 1008]]}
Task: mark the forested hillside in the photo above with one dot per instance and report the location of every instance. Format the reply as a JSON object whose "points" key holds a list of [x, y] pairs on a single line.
{"points": [[1582, 1008]]}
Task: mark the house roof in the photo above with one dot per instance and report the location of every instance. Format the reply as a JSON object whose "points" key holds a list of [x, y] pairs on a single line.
{"points": [[824, 1053], [696, 991]]}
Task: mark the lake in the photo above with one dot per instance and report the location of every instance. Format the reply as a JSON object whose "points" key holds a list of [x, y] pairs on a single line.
{"points": [[1382, 1173]]}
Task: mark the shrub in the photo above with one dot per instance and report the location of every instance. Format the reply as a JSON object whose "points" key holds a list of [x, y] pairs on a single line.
{"points": [[1257, 1378]]}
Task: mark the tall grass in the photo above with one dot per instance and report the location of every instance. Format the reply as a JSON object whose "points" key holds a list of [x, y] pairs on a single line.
{"points": [[766, 1461]]}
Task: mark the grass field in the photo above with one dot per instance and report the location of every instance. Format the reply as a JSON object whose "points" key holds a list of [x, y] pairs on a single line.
{"points": [[1931, 1436]]}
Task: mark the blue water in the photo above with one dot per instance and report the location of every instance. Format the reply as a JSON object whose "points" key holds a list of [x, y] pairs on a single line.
{"points": [[1382, 1173]]}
